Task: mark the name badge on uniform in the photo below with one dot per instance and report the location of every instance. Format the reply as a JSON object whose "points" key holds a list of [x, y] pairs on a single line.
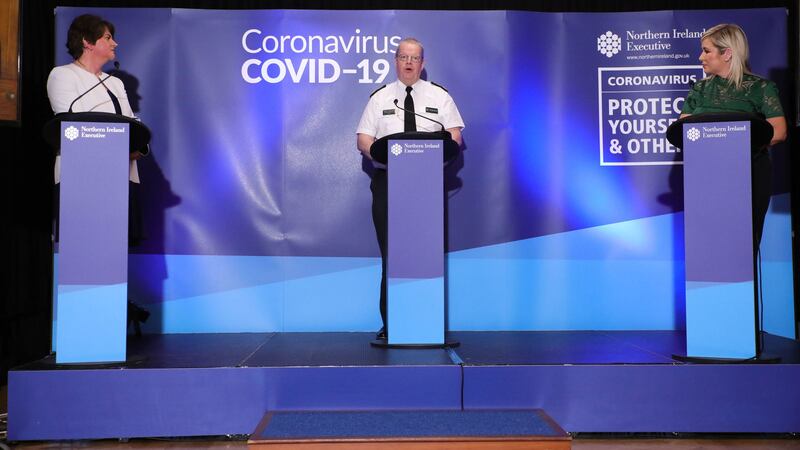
{"points": [[388, 112], [428, 109]]}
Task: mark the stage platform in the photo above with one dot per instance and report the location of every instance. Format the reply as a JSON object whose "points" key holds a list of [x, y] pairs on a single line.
{"points": [[223, 384]]}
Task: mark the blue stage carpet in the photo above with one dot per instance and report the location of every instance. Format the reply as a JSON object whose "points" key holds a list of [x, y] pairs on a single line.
{"points": [[405, 424]]}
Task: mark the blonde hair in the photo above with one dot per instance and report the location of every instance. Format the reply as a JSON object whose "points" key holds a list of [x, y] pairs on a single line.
{"points": [[729, 36]]}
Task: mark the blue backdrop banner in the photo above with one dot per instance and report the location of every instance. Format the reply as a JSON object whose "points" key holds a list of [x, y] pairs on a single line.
{"points": [[564, 212]]}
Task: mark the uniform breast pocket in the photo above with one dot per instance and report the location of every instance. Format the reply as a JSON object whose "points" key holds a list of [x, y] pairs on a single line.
{"points": [[429, 122], [390, 122]]}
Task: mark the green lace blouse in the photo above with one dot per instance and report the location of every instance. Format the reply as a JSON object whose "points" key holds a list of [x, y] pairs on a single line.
{"points": [[756, 95]]}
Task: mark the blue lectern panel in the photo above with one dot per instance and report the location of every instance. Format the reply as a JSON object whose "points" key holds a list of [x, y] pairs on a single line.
{"points": [[720, 316], [415, 265], [93, 249]]}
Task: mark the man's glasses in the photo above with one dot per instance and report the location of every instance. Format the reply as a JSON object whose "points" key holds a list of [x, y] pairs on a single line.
{"points": [[407, 58]]}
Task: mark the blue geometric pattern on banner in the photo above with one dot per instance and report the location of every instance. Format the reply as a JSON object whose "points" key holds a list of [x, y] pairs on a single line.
{"points": [[776, 287], [614, 277], [731, 333], [346, 300], [416, 312], [548, 294], [229, 294], [92, 323], [776, 269], [618, 276], [651, 238], [248, 310]]}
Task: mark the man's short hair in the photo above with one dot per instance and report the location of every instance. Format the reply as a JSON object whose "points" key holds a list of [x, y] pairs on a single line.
{"points": [[411, 40]]}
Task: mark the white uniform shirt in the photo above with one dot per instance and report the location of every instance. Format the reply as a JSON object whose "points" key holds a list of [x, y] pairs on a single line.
{"points": [[67, 82], [381, 117]]}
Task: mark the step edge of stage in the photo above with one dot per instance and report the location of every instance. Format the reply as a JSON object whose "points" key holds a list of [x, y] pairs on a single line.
{"points": [[559, 434], [387, 439]]}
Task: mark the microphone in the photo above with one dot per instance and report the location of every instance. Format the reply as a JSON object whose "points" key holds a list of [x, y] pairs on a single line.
{"points": [[412, 112], [116, 67]]}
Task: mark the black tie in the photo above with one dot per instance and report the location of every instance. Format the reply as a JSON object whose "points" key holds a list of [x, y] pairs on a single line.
{"points": [[410, 121]]}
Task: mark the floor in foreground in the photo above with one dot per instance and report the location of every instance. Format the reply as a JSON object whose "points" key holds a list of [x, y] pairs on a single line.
{"points": [[580, 443]]}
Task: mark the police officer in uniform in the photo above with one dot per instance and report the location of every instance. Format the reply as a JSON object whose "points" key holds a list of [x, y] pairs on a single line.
{"points": [[381, 117]]}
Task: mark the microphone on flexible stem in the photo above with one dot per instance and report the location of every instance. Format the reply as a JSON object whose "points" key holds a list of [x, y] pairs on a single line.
{"points": [[116, 67], [424, 117]]}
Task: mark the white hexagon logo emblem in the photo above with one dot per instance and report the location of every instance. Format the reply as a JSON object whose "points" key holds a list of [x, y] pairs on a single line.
{"points": [[71, 133], [609, 44]]}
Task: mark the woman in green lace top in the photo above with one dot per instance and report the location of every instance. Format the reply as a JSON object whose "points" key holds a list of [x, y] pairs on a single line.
{"points": [[731, 87]]}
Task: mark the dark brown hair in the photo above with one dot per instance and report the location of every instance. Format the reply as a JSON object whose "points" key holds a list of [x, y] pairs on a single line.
{"points": [[86, 27]]}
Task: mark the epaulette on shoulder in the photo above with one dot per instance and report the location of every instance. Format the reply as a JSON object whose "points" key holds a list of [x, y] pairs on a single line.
{"points": [[376, 90], [439, 86]]}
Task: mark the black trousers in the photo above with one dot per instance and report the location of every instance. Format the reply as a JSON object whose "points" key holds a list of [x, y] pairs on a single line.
{"points": [[135, 224], [380, 218], [761, 178], [761, 169]]}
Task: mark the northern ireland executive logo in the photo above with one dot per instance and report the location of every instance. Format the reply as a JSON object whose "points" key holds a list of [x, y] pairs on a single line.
{"points": [[397, 149], [693, 134], [609, 44], [71, 133]]}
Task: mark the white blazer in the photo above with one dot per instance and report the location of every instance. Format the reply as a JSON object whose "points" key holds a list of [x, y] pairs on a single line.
{"points": [[67, 82]]}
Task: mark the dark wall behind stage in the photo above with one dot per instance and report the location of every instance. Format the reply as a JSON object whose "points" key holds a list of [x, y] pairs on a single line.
{"points": [[26, 170]]}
